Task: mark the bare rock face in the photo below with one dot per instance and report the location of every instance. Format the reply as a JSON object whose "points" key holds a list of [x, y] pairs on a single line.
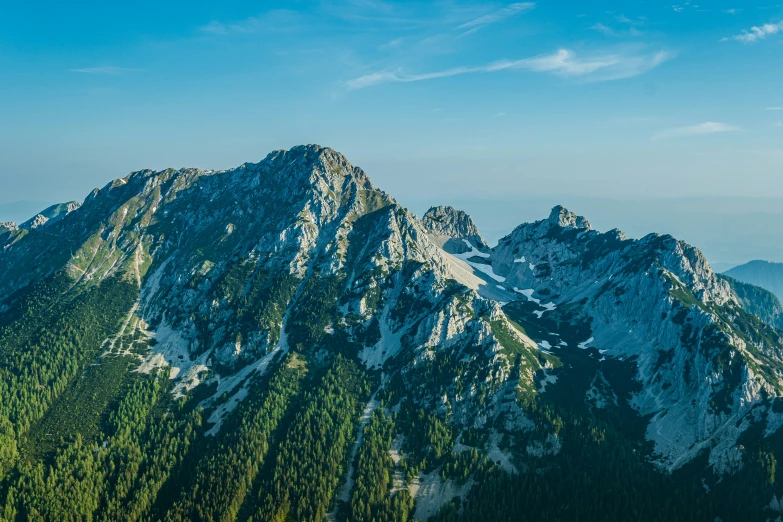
{"points": [[655, 301], [448, 221], [50, 215], [38, 221], [7, 232], [564, 218], [453, 227]]}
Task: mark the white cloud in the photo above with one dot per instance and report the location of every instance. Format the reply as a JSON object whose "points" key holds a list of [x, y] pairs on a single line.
{"points": [[710, 127], [483, 21], [608, 31], [393, 43], [564, 63], [775, 108], [368, 80], [778, 124], [731, 11], [756, 33], [274, 20], [500, 114], [107, 70]]}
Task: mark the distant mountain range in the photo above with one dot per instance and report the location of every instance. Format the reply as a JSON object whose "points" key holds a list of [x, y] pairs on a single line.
{"points": [[285, 341], [760, 273], [20, 211], [757, 300]]}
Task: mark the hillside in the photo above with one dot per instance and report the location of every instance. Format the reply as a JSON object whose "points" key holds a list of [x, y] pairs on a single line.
{"points": [[760, 273], [284, 341], [757, 301]]}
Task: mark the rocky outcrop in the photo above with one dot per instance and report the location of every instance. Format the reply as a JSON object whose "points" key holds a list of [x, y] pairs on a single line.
{"points": [[50, 215], [453, 230], [452, 223], [565, 219]]}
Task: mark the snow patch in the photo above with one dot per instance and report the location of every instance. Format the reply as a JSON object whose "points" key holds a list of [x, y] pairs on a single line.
{"points": [[481, 267], [583, 345], [529, 294], [546, 381]]}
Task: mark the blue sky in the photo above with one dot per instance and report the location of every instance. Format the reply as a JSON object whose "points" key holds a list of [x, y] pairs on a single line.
{"points": [[438, 101]]}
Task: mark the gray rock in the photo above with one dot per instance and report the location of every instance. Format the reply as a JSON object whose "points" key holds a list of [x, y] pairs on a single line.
{"points": [[454, 226]]}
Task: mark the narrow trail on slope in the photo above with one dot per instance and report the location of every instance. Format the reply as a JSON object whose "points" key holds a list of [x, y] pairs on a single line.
{"points": [[345, 492]]}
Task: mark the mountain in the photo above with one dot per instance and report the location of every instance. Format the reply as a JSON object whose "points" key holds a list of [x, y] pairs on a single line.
{"points": [[284, 341], [50, 215], [19, 211], [722, 267], [760, 273], [757, 301]]}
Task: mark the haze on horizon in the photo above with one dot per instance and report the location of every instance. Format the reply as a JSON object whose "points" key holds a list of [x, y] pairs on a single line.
{"points": [[660, 117]]}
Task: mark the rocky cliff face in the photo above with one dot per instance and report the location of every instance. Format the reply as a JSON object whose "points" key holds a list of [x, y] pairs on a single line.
{"points": [[301, 253], [654, 301], [448, 223]]}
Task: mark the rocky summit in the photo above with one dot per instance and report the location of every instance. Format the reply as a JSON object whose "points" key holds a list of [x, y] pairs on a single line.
{"points": [[284, 341]]}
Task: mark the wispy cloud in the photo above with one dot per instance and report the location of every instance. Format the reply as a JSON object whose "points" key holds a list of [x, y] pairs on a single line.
{"points": [[690, 7], [483, 21], [756, 33], [775, 108], [106, 70], [608, 31], [392, 44], [630, 21], [631, 24], [564, 63], [778, 124], [731, 11], [279, 19], [710, 127]]}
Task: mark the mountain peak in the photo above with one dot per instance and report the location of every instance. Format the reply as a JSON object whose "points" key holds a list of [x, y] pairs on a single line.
{"points": [[50, 215], [314, 164], [449, 221], [564, 218], [453, 223]]}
